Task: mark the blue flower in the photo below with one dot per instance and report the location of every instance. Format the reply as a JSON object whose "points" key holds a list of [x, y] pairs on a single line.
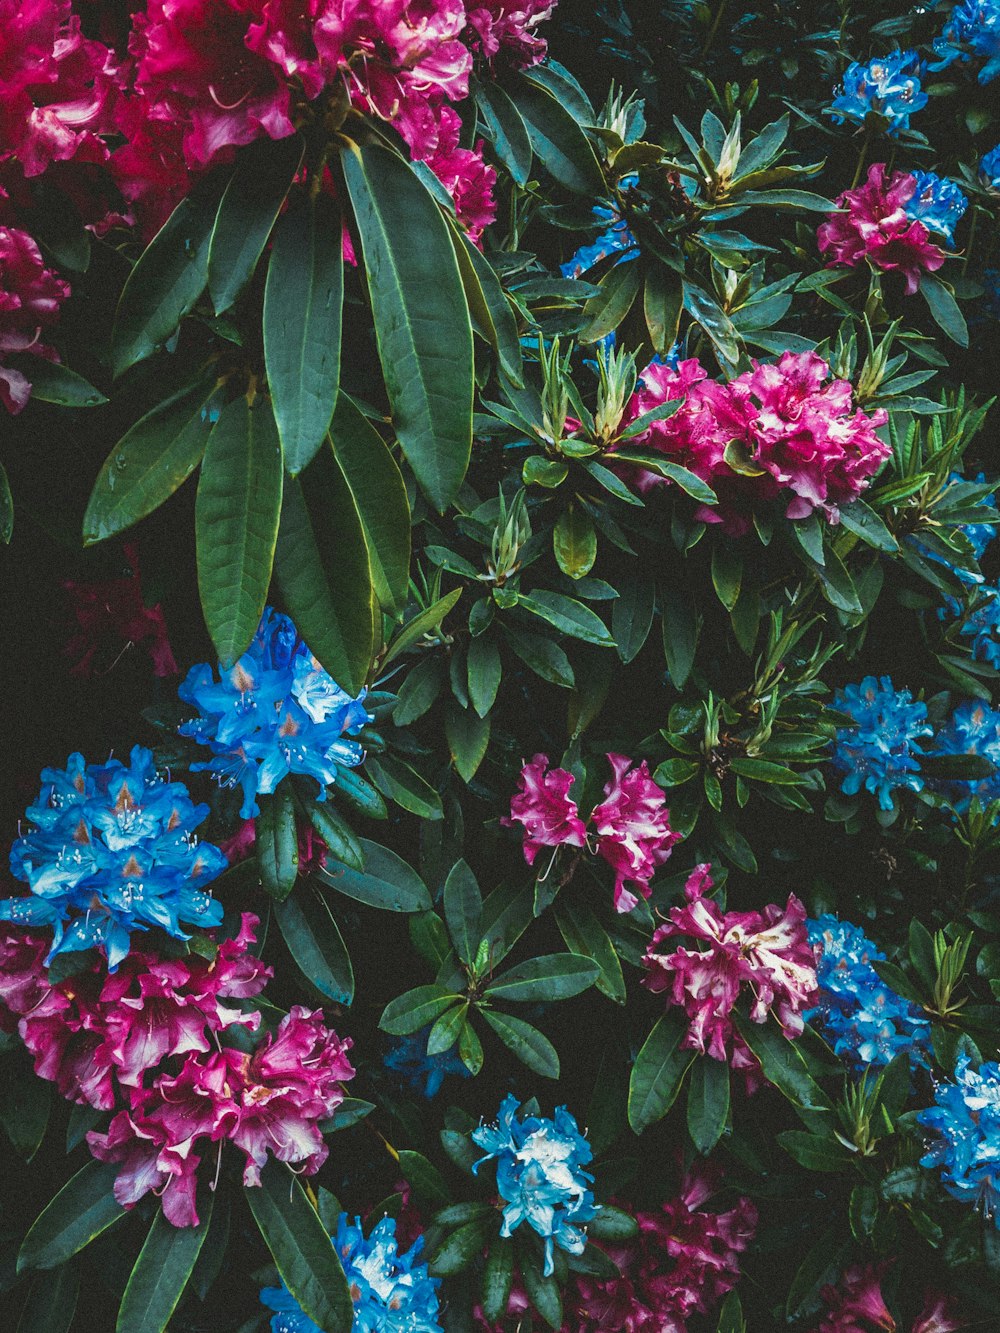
{"points": [[880, 752], [275, 712], [391, 1292], [989, 169], [938, 203], [863, 1019], [980, 622], [974, 728], [889, 86], [112, 851], [972, 32], [424, 1073], [617, 239], [978, 535], [540, 1175], [966, 1117]]}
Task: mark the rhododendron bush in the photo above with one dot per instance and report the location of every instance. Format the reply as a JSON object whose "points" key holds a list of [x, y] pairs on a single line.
{"points": [[502, 746]]}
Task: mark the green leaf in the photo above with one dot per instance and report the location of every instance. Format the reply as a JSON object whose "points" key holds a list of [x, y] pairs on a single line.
{"points": [[25, 1103], [680, 632], [51, 1303], [530, 1046], [862, 520], [152, 460], [762, 770], [584, 935], [250, 206], [632, 617], [613, 1224], [707, 1102], [731, 1315], [463, 910], [236, 523], [727, 573], [359, 794], [484, 671], [722, 333], [415, 1009], [303, 303], [567, 91], [488, 305], [574, 541], [161, 1272], [322, 566], [944, 308], [341, 841], [658, 1072], [539, 471], [815, 1152], [567, 615], [379, 493], [545, 658], [603, 313], [896, 978], [543, 1292], [498, 1277], [303, 1252], [505, 128], [421, 316], [428, 1183], [468, 736], [819, 1266], [662, 302], [458, 1249], [862, 1211], [81, 1210], [404, 786], [278, 842], [689, 483], [315, 942], [558, 141], [387, 882], [555, 976], [446, 1029], [783, 1065], [167, 279], [52, 382], [424, 622], [349, 1112]]}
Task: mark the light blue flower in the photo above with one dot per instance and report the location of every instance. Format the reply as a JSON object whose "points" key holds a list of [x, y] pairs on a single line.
{"points": [[113, 851], [989, 169], [980, 622], [424, 1073], [277, 711], [540, 1175], [391, 1292], [973, 729], [863, 1019], [888, 86], [966, 1118], [879, 753], [938, 203], [971, 33]]}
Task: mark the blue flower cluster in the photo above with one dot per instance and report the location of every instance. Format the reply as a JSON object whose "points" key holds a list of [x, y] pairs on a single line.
{"points": [[966, 1117], [865, 1021], [989, 169], [981, 624], [424, 1073], [616, 239], [275, 712], [880, 752], [938, 203], [974, 729], [391, 1292], [972, 33], [112, 851], [889, 86], [540, 1175]]}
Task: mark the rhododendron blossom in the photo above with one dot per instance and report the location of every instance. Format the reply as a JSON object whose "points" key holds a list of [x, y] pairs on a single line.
{"points": [[856, 1305], [30, 298], [112, 617], [630, 828], [496, 26], [465, 176], [874, 225], [767, 951]]}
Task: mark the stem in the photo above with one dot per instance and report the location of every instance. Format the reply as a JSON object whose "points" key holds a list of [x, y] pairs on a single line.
{"points": [[714, 28], [862, 158]]}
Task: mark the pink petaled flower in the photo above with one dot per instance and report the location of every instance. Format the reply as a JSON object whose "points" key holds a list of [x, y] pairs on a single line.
{"points": [[30, 298], [111, 616], [465, 176], [857, 1304], [766, 951], [65, 1033], [24, 980], [874, 226], [496, 25], [939, 1315], [544, 806], [284, 1089], [633, 832], [149, 168], [805, 433]]}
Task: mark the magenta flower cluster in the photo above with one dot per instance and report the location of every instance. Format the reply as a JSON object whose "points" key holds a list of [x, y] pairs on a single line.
{"points": [[629, 829], [768, 953], [856, 1305], [148, 1042], [796, 428]]}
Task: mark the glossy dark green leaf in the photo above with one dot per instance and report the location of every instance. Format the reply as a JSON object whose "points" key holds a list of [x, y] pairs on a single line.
{"points": [[484, 670], [632, 617], [564, 87], [558, 141], [815, 1152], [584, 935], [427, 1181], [502, 122], [574, 541], [51, 1303], [152, 460], [488, 305], [25, 1103], [386, 882], [680, 631], [414, 1010], [82, 1209], [661, 467], [424, 622], [52, 382], [249, 209], [468, 736], [545, 658], [498, 1276], [707, 312], [862, 520], [530, 1046], [277, 842], [445, 1030], [358, 793], [402, 784], [236, 523], [662, 302], [303, 302], [543, 1292], [458, 1249], [613, 1224], [707, 1102], [341, 841], [821, 1264], [783, 1065], [305, 1256], [658, 1072], [161, 1271], [554, 976], [944, 308], [315, 942], [567, 615], [463, 910], [731, 1315], [421, 316], [603, 313]]}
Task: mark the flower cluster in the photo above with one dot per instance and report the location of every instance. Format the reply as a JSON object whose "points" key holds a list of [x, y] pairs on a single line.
{"points": [[874, 225], [767, 952], [30, 298], [888, 86], [937, 203], [989, 169], [856, 1305], [540, 1175], [966, 1120], [797, 428], [275, 712], [112, 617], [392, 1293], [979, 621], [972, 729], [880, 752], [971, 33], [684, 1260], [630, 827], [865, 1021], [424, 1073], [113, 851]]}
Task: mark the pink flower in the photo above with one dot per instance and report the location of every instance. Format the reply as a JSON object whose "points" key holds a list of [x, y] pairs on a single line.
{"points": [[544, 806], [464, 175], [24, 980], [66, 1036], [30, 298], [873, 226], [496, 25], [633, 833], [111, 617], [805, 434], [766, 951], [938, 1315], [858, 1298]]}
